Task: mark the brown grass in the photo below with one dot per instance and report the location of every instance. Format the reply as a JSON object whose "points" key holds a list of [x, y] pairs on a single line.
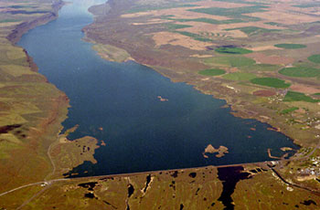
{"points": [[305, 89], [273, 59], [163, 38], [262, 48], [152, 21], [264, 93], [179, 13], [220, 4], [285, 17], [198, 27]]}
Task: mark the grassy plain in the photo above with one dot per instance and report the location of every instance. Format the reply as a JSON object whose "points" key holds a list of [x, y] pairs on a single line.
{"points": [[300, 71], [239, 76], [290, 46], [314, 58], [233, 50], [212, 72], [296, 96], [270, 82]]}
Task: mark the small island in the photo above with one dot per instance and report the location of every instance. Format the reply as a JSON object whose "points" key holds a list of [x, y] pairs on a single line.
{"points": [[222, 150]]}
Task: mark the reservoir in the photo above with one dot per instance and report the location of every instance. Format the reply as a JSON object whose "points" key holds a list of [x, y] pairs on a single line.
{"points": [[120, 103]]}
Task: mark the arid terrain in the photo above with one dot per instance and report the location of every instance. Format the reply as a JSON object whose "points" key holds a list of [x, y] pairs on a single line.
{"points": [[262, 57]]}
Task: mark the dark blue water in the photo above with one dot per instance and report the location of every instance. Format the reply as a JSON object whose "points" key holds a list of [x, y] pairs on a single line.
{"points": [[141, 132]]}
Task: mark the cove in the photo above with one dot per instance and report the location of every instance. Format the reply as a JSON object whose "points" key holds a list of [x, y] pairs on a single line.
{"points": [[118, 103]]}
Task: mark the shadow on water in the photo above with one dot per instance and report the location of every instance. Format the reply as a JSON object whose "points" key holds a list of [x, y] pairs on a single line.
{"points": [[230, 176]]}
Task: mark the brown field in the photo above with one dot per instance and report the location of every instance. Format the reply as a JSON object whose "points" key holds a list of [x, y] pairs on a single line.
{"points": [[200, 27], [264, 93], [163, 38], [179, 13], [272, 59], [262, 48], [220, 4], [152, 21], [284, 17], [305, 88]]}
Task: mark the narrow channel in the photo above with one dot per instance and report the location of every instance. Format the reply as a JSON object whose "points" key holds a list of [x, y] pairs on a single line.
{"points": [[120, 104]]}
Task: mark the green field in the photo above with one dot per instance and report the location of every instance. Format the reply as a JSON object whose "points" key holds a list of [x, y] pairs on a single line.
{"points": [[290, 46], [208, 20], [230, 61], [261, 67], [251, 30], [296, 96], [239, 76], [273, 23], [9, 21], [212, 72], [236, 13], [286, 111], [151, 7], [194, 36], [300, 71], [171, 26], [233, 50], [308, 5], [314, 58], [270, 82]]}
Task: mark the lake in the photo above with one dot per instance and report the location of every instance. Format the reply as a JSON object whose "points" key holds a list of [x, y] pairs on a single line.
{"points": [[120, 103]]}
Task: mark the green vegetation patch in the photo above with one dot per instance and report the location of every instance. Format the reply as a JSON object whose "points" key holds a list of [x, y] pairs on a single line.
{"points": [[252, 30], [233, 50], [317, 94], [21, 6], [171, 26], [314, 58], [242, 2], [140, 8], [230, 12], [270, 82], [308, 5], [9, 21], [273, 23], [300, 71], [290, 46], [239, 76], [230, 61], [236, 13], [194, 36], [296, 96], [261, 67], [212, 72], [286, 111], [208, 20]]}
